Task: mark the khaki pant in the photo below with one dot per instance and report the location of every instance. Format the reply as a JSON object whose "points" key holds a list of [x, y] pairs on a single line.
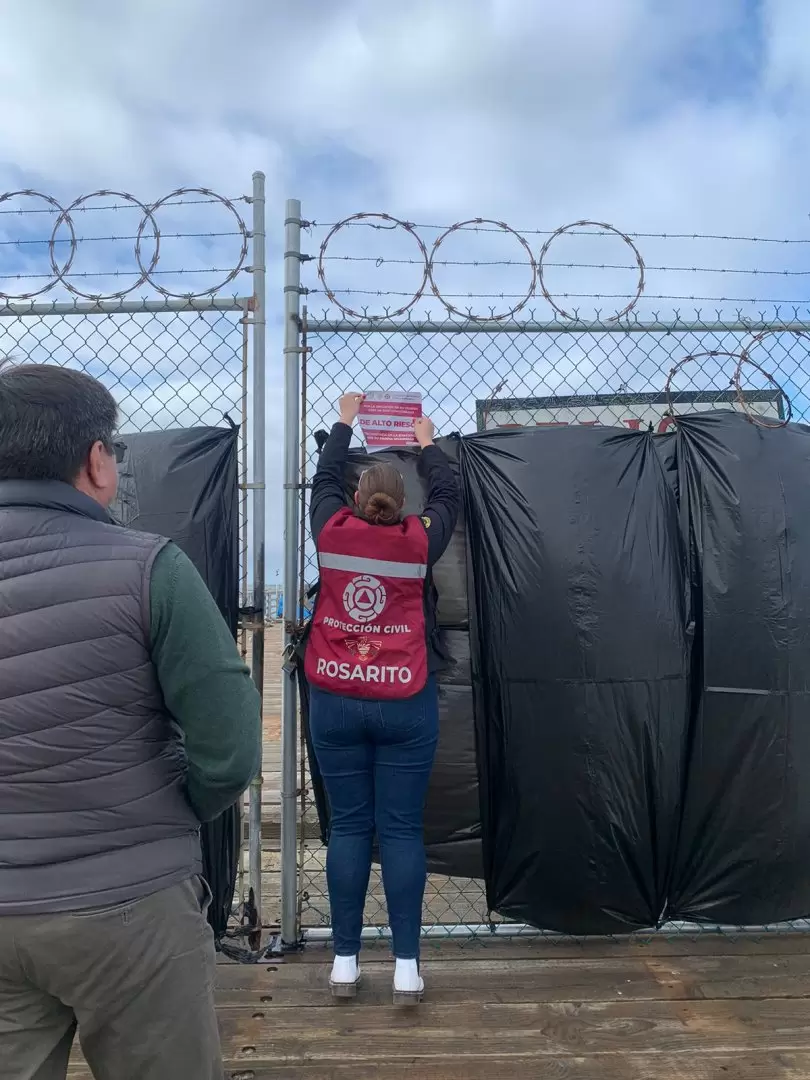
{"points": [[137, 979]]}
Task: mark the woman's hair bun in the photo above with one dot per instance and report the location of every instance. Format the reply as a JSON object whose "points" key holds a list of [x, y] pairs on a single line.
{"points": [[381, 494], [381, 509]]}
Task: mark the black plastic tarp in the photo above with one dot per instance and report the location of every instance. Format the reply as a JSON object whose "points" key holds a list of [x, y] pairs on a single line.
{"points": [[452, 815], [744, 853], [183, 484], [631, 677], [582, 657]]}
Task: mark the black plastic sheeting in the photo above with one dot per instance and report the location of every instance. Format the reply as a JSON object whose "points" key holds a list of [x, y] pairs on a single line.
{"points": [[452, 817], [183, 484], [744, 853], [631, 679], [584, 673]]}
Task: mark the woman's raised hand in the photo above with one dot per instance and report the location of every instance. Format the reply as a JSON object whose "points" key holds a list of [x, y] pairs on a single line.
{"points": [[424, 431], [349, 407]]}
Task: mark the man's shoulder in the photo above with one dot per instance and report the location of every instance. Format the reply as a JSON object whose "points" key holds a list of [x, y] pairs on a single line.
{"points": [[121, 544], [136, 538], [80, 531]]}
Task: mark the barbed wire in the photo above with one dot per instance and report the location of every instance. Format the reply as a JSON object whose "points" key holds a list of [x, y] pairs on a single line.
{"points": [[691, 359], [601, 225], [535, 269], [741, 358], [757, 418], [428, 261], [108, 239], [352, 222], [148, 232], [116, 273], [691, 298], [745, 358], [393, 223], [122, 206], [379, 261]]}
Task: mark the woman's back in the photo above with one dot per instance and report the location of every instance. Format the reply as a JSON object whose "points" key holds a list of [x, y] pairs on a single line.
{"points": [[368, 631], [370, 659]]}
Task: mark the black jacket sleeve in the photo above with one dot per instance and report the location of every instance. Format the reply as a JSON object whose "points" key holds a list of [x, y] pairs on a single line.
{"points": [[328, 485], [329, 491], [441, 512]]}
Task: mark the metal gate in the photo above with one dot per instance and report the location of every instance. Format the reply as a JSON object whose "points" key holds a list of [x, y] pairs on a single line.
{"points": [[163, 302], [496, 326]]}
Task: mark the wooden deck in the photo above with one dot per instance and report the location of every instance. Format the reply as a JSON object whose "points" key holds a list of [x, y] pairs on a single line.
{"points": [[700, 1009], [697, 1008]]}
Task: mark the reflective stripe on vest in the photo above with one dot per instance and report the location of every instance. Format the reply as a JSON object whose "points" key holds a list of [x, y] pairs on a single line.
{"points": [[354, 564]]}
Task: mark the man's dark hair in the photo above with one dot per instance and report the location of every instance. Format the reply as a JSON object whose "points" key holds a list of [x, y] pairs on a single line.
{"points": [[50, 417]]}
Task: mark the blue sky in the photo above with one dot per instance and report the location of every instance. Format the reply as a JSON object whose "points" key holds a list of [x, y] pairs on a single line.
{"points": [[651, 115]]}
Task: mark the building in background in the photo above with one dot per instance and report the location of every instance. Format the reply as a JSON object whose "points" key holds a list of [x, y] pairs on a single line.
{"points": [[635, 412]]}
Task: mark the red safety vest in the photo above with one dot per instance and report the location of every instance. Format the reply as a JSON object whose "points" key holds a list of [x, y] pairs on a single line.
{"points": [[368, 631]]}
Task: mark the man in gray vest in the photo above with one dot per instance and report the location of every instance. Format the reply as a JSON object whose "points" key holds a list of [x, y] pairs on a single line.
{"points": [[126, 718]]}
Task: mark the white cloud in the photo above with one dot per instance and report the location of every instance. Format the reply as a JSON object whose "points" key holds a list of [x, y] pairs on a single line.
{"points": [[688, 117]]}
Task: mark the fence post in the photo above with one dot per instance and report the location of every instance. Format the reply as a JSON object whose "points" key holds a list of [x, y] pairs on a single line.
{"points": [[259, 453], [292, 436]]}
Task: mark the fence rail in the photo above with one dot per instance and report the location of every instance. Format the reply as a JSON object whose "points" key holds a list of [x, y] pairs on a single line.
{"points": [[580, 324]]}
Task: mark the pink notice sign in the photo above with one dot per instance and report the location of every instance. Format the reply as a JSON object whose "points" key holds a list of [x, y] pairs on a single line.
{"points": [[387, 416]]}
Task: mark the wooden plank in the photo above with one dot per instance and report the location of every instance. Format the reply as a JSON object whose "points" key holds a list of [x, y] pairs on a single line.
{"points": [[758, 1065], [488, 947], [271, 824], [493, 948], [273, 647], [522, 981], [374, 1034]]}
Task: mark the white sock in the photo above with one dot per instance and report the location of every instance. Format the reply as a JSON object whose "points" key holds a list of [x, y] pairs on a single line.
{"points": [[345, 970], [406, 977]]}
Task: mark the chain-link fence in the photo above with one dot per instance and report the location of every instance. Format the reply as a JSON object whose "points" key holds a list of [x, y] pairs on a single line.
{"points": [[578, 325], [156, 300]]}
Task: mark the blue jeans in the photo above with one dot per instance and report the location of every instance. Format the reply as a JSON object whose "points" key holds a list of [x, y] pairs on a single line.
{"points": [[376, 758]]}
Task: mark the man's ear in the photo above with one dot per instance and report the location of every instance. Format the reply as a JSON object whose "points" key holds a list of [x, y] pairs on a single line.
{"points": [[96, 464]]}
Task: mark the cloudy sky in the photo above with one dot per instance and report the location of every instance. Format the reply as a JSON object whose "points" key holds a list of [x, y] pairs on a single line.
{"points": [[689, 114], [656, 117]]}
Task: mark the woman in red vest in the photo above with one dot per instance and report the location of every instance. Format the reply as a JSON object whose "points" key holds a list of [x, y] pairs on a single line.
{"points": [[370, 662]]}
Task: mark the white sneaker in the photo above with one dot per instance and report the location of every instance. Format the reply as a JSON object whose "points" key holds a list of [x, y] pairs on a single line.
{"points": [[345, 977], [409, 986]]}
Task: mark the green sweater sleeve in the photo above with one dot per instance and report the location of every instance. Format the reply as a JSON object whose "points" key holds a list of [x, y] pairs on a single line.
{"points": [[206, 686]]}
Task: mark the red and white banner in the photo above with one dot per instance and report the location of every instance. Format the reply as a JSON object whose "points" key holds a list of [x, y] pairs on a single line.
{"points": [[386, 418]]}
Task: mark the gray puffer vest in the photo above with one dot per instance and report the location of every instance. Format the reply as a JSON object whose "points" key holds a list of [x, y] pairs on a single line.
{"points": [[92, 804]]}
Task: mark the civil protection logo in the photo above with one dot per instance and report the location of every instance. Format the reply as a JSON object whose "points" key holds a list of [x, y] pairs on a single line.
{"points": [[364, 598], [363, 649]]}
